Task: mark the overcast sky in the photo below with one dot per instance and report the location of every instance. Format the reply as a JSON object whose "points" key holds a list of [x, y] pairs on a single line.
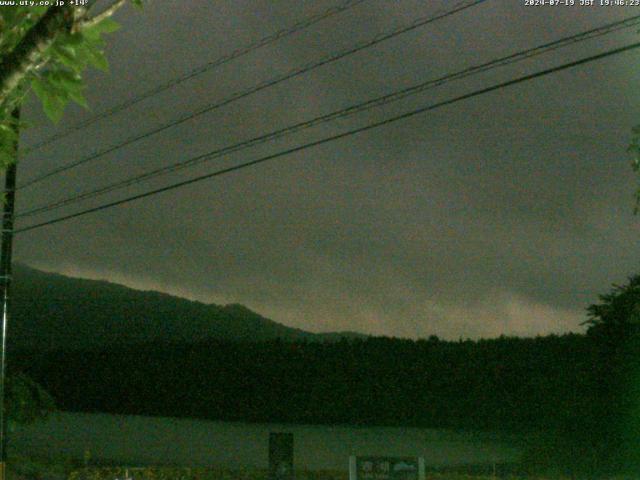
{"points": [[503, 214]]}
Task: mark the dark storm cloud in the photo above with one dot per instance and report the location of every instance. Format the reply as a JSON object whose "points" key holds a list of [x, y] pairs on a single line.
{"points": [[507, 213]]}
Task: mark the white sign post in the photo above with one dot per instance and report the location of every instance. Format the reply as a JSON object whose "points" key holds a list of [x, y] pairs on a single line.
{"points": [[386, 468]]}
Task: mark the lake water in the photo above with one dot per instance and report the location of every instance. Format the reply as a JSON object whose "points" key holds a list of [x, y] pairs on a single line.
{"points": [[138, 441]]}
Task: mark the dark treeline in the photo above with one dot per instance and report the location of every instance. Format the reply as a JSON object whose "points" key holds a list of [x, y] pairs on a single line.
{"points": [[507, 383]]}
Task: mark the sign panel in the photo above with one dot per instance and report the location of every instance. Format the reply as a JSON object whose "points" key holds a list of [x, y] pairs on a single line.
{"points": [[386, 468], [281, 456]]}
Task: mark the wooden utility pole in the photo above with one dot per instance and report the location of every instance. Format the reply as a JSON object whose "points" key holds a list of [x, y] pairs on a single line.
{"points": [[5, 285]]}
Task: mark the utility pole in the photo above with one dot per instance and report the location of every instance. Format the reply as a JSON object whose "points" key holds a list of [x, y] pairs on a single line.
{"points": [[5, 285]]}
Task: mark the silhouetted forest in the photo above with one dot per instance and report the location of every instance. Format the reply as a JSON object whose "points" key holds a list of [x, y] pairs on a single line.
{"points": [[509, 383]]}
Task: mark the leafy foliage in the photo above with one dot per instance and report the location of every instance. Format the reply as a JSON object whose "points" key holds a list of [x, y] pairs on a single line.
{"points": [[614, 329], [15, 22], [618, 313], [57, 79], [8, 138], [26, 401]]}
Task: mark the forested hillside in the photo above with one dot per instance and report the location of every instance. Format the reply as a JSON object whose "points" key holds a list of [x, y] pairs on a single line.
{"points": [[54, 311]]}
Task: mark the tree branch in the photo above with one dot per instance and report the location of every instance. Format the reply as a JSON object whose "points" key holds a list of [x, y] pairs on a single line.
{"points": [[102, 15], [15, 65]]}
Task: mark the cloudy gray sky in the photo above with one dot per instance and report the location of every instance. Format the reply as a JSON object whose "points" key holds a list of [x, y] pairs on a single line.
{"points": [[507, 213]]}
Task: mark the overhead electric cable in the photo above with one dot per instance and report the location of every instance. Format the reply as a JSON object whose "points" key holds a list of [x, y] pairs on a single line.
{"points": [[338, 136], [261, 86], [240, 52], [341, 113]]}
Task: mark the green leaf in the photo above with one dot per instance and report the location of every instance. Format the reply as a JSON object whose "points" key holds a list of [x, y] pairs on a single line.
{"points": [[74, 39], [96, 58], [6, 158], [65, 79], [79, 98], [8, 137], [8, 128], [105, 26], [54, 108], [53, 99], [38, 87], [67, 56], [93, 44], [70, 83], [137, 3]]}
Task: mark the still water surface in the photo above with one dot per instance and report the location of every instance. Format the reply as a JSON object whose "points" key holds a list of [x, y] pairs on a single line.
{"points": [[137, 441]]}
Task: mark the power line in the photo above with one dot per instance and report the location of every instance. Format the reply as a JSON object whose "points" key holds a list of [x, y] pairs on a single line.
{"points": [[338, 136], [344, 112], [240, 52], [261, 86]]}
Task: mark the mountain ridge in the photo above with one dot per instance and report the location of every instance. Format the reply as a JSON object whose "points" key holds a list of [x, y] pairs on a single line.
{"points": [[50, 310]]}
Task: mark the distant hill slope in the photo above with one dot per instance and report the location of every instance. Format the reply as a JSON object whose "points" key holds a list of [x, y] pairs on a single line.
{"points": [[55, 311]]}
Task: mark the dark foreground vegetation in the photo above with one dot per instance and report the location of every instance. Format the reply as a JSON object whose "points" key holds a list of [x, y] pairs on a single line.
{"points": [[28, 469], [576, 396]]}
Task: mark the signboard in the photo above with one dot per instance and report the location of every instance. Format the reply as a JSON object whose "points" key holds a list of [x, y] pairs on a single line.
{"points": [[386, 468], [281, 456]]}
